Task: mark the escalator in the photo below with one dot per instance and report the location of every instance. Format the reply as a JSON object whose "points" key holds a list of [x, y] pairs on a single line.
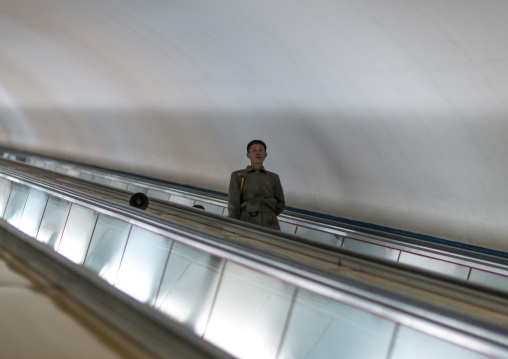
{"points": [[256, 302]]}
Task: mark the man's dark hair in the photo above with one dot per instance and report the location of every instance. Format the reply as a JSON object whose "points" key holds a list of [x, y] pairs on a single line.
{"points": [[255, 142]]}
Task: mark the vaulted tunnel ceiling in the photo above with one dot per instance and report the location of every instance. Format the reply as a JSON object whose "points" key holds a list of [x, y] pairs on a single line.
{"points": [[392, 112]]}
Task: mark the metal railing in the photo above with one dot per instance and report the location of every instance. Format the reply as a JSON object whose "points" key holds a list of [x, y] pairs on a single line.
{"points": [[488, 268]]}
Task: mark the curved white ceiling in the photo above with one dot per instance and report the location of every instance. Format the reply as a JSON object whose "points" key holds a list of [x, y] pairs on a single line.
{"points": [[389, 112]]}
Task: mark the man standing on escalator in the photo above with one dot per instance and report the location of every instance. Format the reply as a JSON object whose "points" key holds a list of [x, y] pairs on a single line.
{"points": [[255, 194]]}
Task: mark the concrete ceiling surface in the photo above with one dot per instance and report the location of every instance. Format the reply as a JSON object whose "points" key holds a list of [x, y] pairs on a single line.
{"points": [[389, 112]]}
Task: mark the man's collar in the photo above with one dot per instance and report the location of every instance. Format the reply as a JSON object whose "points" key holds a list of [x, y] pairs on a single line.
{"points": [[250, 169]]}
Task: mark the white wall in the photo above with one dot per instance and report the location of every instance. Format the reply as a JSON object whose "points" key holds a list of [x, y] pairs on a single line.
{"points": [[389, 112]]}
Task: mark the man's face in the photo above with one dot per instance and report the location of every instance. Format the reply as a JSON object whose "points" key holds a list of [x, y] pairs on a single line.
{"points": [[256, 154]]}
